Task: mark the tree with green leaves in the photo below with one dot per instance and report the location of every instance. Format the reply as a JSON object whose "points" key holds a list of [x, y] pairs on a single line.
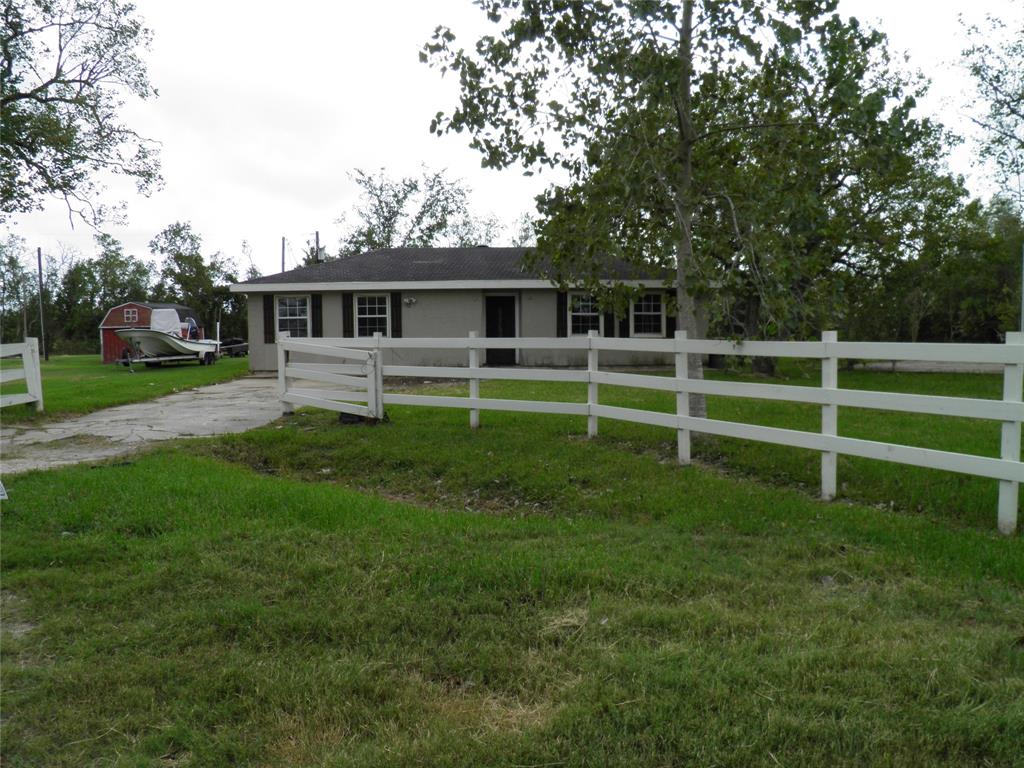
{"points": [[121, 277], [76, 308], [17, 289], [996, 61], [413, 211], [67, 67], [864, 187], [733, 143], [961, 285], [202, 283], [88, 287]]}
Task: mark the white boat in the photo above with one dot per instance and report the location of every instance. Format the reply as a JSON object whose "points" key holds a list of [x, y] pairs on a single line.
{"points": [[168, 338]]}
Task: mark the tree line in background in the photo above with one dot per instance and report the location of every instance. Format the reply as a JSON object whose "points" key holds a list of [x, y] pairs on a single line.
{"points": [[78, 291]]}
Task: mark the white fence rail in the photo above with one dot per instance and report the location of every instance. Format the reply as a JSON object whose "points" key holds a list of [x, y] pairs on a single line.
{"points": [[1007, 469], [28, 351]]}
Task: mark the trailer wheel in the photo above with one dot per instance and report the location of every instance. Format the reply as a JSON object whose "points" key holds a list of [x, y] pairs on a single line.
{"points": [[209, 358]]}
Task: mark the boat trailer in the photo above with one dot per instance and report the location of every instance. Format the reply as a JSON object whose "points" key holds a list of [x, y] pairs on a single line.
{"points": [[208, 358]]}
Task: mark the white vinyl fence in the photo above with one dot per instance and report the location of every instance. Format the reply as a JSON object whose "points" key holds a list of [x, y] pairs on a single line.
{"points": [[367, 371], [28, 351], [357, 371]]}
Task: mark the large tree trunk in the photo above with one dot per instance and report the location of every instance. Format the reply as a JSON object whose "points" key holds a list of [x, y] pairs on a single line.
{"points": [[690, 320], [692, 316]]}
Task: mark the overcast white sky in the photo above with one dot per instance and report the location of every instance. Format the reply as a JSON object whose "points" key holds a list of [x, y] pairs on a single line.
{"points": [[263, 110]]}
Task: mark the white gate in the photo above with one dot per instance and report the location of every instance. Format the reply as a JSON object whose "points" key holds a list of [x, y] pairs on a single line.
{"points": [[28, 351], [357, 376]]}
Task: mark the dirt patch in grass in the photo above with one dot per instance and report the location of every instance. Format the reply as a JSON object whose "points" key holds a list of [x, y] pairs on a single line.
{"points": [[467, 706], [11, 620], [570, 622], [490, 712]]}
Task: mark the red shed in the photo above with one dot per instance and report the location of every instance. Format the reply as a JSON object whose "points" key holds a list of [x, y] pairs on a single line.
{"points": [[133, 314]]}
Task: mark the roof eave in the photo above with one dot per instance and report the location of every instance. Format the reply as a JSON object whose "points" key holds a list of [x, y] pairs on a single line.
{"points": [[420, 285]]}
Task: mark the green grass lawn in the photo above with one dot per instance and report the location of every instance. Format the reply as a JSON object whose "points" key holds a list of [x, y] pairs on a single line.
{"points": [[77, 384], [944, 496], [419, 593]]}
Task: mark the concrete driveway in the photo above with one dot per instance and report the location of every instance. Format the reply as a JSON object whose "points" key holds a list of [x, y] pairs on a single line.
{"points": [[233, 406]]}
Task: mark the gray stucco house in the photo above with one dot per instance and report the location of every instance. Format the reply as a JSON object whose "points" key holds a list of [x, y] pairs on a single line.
{"points": [[443, 292]]}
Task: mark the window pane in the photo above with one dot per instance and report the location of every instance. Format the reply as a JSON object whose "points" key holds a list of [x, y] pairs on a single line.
{"points": [[646, 323], [647, 314], [292, 306], [293, 315], [583, 315], [371, 315], [293, 327], [371, 325], [650, 302], [584, 304], [372, 305], [581, 324]]}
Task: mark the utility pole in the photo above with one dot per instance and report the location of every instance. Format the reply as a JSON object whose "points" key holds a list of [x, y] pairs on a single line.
{"points": [[317, 256], [282, 253], [42, 329]]}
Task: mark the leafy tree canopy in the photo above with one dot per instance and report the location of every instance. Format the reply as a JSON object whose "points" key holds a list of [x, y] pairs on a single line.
{"points": [[17, 288], [962, 286], [754, 148], [413, 211], [119, 277], [996, 60], [186, 277], [67, 67]]}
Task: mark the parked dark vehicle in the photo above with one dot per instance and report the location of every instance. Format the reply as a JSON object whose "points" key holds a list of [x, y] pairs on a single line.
{"points": [[234, 347]]}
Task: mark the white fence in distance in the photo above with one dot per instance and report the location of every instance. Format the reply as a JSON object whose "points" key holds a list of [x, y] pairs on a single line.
{"points": [[1007, 469], [28, 351]]}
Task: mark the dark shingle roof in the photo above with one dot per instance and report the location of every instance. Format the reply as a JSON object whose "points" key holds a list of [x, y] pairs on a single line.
{"points": [[400, 265]]}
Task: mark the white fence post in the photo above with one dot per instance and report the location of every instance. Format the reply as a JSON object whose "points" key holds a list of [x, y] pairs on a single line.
{"points": [[682, 396], [474, 384], [1013, 382], [371, 386], [33, 376], [282, 380], [592, 367], [378, 379], [829, 416]]}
